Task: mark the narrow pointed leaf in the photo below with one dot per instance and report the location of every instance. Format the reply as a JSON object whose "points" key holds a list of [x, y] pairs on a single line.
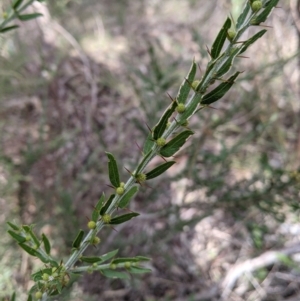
{"points": [[107, 204], [114, 274], [220, 40], [42, 257], [113, 170], [29, 16], [227, 64], [220, 91], [252, 40], [13, 297], [123, 218], [127, 196], [185, 87], [8, 28], [13, 226], [96, 211], [162, 123], [148, 144], [175, 144], [46, 244], [138, 270], [109, 255], [78, 239], [243, 16], [90, 259], [263, 15], [157, 171], [142, 258], [33, 236], [190, 110], [29, 250], [17, 3], [17, 237], [29, 298], [129, 259]]}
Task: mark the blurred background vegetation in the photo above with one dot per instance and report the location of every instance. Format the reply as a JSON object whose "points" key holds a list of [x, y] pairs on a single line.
{"points": [[84, 79]]}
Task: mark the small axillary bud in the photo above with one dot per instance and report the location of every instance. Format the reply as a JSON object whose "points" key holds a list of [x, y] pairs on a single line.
{"points": [[120, 190], [180, 108], [106, 218], [91, 225], [161, 141], [231, 33], [256, 5], [195, 84], [141, 177]]}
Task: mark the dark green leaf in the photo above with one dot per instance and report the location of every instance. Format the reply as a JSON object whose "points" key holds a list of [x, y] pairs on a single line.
{"points": [[115, 274], [29, 16], [29, 298], [263, 15], [33, 236], [157, 171], [17, 237], [138, 270], [148, 144], [96, 211], [113, 170], [127, 196], [175, 144], [17, 3], [13, 297], [46, 243], [123, 218], [130, 259], [190, 110], [252, 40], [13, 226], [242, 18], [220, 91], [185, 87], [90, 259], [29, 250], [109, 255], [78, 239], [162, 123], [5, 29], [227, 63], [42, 257], [107, 204], [220, 40]]}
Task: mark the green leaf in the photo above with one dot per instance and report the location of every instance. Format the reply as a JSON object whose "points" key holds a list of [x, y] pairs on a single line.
{"points": [[243, 16], [90, 259], [220, 91], [190, 110], [113, 170], [138, 270], [107, 204], [175, 144], [78, 239], [28, 229], [130, 259], [185, 87], [252, 40], [123, 218], [13, 226], [17, 237], [29, 298], [109, 255], [127, 196], [96, 211], [148, 144], [42, 257], [220, 40], [227, 64], [46, 243], [114, 274], [29, 250], [157, 171], [13, 297], [161, 126], [5, 29], [17, 3], [29, 16], [263, 15]]}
